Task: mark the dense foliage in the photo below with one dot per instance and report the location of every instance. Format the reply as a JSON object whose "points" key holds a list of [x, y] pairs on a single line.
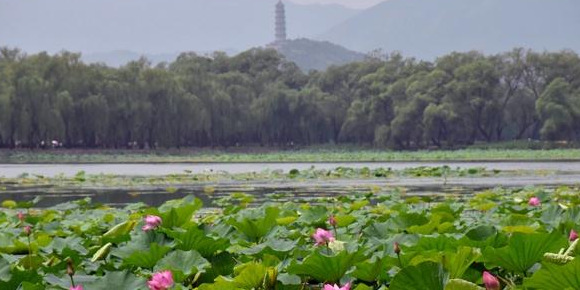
{"points": [[525, 238], [257, 98]]}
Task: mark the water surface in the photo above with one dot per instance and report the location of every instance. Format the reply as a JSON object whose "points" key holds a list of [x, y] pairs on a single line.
{"points": [[50, 170]]}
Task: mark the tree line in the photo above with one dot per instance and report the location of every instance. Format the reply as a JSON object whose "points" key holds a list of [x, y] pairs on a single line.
{"points": [[259, 98]]}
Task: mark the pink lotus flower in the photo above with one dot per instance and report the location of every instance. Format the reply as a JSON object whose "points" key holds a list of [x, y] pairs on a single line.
{"points": [[534, 201], [336, 287], [573, 235], [77, 287], [490, 281], [322, 237], [332, 221], [151, 222], [161, 281]]}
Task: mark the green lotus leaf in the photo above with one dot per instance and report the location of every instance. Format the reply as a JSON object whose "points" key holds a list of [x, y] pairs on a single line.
{"points": [[276, 247], [197, 239], [18, 276], [120, 232], [118, 280], [427, 275], [183, 264], [221, 265], [427, 228], [314, 216], [250, 276], [148, 258], [256, 223], [30, 286], [59, 245], [327, 268], [381, 231], [288, 279], [373, 269], [363, 287], [459, 261], [556, 277], [481, 233], [458, 284], [220, 284], [523, 251], [4, 270], [439, 243], [64, 281], [345, 220], [179, 212]]}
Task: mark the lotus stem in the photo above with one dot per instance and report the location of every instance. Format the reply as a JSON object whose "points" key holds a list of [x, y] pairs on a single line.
{"points": [[29, 253]]}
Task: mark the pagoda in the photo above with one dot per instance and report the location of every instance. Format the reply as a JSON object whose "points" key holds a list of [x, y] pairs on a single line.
{"points": [[280, 23]]}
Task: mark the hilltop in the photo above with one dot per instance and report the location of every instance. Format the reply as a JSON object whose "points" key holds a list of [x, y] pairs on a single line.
{"points": [[317, 55]]}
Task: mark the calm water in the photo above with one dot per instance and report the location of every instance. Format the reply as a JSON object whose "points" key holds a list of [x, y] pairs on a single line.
{"points": [[458, 187], [549, 174], [14, 170]]}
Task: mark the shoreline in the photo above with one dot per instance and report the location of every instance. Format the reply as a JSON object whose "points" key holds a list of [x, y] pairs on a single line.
{"points": [[298, 156], [401, 161]]}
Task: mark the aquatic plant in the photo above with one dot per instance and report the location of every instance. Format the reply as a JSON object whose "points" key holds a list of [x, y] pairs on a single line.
{"points": [[376, 241]]}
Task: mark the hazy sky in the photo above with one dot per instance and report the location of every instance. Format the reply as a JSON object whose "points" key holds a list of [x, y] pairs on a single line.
{"points": [[360, 4]]}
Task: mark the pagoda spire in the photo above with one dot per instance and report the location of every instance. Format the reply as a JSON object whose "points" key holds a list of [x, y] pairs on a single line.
{"points": [[280, 22]]}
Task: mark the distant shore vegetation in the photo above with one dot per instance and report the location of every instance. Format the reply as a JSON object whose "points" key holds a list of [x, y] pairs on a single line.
{"points": [[257, 98], [275, 155]]}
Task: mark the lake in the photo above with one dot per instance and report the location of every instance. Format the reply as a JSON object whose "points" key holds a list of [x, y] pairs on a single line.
{"points": [[148, 169]]}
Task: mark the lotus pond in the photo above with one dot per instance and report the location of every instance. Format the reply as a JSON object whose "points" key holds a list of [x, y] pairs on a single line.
{"points": [[522, 237]]}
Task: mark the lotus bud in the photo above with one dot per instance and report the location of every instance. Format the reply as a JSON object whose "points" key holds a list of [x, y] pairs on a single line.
{"points": [[70, 268], [332, 221], [21, 216], [397, 248], [77, 287], [28, 230], [271, 278], [490, 281], [573, 235], [102, 252]]}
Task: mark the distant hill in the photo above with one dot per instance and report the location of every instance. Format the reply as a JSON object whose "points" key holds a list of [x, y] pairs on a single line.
{"points": [[307, 54], [155, 26], [317, 55], [430, 28]]}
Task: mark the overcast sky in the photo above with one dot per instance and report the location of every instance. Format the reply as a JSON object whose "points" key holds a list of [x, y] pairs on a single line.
{"points": [[360, 4]]}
